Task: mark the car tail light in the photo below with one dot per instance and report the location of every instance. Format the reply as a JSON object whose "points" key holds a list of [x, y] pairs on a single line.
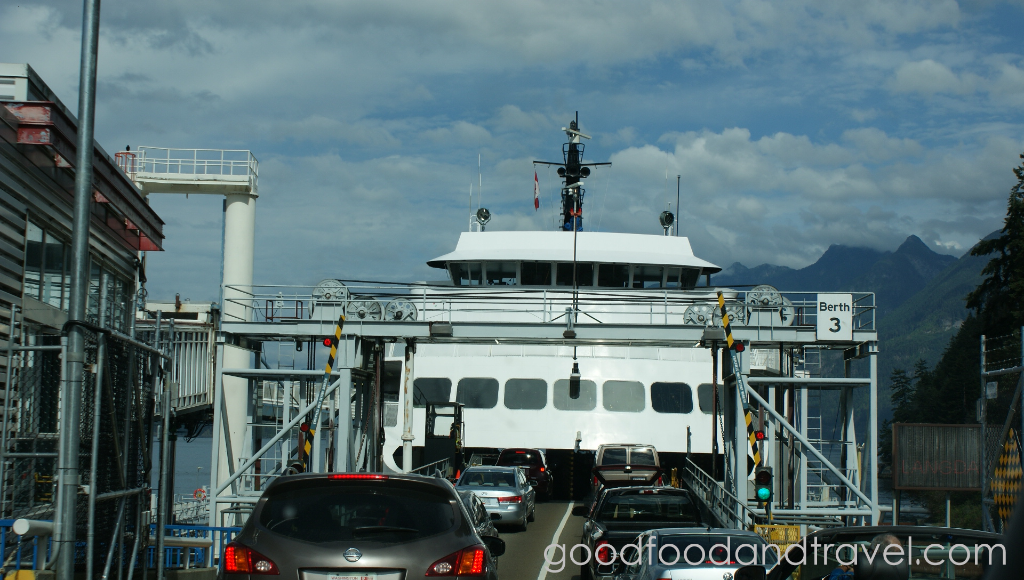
{"points": [[511, 499], [595, 481], [603, 552], [542, 470], [240, 559], [466, 562], [358, 476]]}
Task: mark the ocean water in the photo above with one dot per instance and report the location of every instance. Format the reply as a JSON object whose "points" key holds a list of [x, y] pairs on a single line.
{"points": [[192, 465]]}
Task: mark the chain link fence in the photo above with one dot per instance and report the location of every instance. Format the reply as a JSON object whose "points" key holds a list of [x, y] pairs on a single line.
{"points": [[114, 460]]}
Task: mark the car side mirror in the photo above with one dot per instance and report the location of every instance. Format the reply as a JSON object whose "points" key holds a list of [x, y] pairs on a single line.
{"points": [[533, 483], [496, 546], [749, 573], [495, 517], [581, 510]]}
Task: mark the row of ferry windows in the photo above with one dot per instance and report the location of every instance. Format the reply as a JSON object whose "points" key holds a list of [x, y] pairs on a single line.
{"points": [[532, 394], [561, 274]]}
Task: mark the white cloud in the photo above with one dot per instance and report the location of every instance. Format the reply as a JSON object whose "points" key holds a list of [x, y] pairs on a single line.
{"points": [[929, 77], [794, 124]]}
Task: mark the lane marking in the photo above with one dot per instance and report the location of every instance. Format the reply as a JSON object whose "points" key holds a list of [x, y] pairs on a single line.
{"points": [[554, 540]]}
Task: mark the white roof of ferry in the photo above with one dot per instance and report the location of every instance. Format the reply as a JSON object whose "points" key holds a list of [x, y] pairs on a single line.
{"points": [[556, 246]]}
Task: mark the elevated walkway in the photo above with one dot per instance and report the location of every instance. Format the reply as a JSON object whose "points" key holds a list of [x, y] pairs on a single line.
{"points": [[198, 171]]}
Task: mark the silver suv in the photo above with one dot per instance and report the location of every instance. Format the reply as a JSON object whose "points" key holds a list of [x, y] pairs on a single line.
{"points": [[340, 525], [619, 464]]}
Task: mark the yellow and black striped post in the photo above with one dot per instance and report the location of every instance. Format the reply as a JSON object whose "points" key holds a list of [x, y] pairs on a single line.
{"points": [[725, 320], [746, 405], [753, 438], [307, 448]]}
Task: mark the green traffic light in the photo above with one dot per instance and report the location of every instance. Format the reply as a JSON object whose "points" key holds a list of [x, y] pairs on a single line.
{"points": [[763, 494]]}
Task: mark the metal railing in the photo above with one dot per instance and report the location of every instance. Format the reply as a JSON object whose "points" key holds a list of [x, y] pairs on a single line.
{"points": [[443, 466], [171, 163], [720, 502], [445, 303], [25, 553], [191, 554]]}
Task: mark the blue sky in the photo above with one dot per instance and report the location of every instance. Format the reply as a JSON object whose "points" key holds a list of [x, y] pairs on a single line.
{"points": [[793, 125]]}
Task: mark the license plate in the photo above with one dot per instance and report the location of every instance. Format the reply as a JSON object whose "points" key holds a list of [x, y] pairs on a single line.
{"points": [[490, 501], [354, 575], [638, 478]]}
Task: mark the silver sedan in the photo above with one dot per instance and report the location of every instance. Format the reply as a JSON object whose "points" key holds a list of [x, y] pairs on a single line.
{"points": [[505, 492]]}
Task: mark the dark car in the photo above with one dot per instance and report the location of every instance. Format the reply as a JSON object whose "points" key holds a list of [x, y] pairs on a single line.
{"points": [[534, 463], [934, 553], [620, 514], [341, 525]]}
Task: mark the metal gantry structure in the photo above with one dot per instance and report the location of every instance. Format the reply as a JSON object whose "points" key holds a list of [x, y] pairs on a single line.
{"points": [[280, 319], [1001, 356]]}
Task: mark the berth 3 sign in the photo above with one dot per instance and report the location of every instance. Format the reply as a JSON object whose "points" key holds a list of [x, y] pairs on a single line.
{"points": [[835, 317]]}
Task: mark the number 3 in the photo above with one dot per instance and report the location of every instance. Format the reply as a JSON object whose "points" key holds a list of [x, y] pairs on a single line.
{"points": [[836, 327]]}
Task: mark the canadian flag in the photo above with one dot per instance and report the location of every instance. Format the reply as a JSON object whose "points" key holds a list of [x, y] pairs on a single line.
{"points": [[536, 192]]}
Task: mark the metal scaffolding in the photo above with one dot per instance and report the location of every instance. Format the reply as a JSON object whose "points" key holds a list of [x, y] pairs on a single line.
{"points": [[281, 397]]}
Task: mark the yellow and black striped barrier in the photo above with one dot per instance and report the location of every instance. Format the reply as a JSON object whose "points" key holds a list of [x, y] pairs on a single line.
{"points": [[753, 438], [307, 448], [738, 347]]}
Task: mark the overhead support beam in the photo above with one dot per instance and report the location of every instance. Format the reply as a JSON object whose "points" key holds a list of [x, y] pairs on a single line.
{"points": [[528, 333], [842, 382]]}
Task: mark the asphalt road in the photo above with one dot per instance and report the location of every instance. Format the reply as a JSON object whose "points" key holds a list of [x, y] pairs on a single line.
{"points": [[524, 551]]}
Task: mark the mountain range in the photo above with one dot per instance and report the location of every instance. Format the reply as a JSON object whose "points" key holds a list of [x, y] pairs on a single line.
{"points": [[919, 295]]}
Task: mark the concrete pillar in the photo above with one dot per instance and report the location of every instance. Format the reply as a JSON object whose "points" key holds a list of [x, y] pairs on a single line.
{"points": [[236, 305]]}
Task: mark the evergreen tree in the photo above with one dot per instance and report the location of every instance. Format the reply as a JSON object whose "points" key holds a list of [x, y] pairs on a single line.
{"points": [[999, 299], [903, 410]]}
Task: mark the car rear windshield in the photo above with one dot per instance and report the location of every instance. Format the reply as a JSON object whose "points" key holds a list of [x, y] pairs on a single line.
{"points": [[488, 479], [335, 512], [721, 550], [614, 456], [518, 458], [642, 457], [649, 506]]}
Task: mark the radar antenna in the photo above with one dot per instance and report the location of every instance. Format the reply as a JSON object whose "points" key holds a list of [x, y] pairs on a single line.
{"points": [[573, 171]]}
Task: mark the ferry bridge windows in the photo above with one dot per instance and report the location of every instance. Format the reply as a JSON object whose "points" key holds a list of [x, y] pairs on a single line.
{"points": [[431, 391], [526, 394], [613, 275], [477, 393], [500, 273], [584, 274], [689, 278], [704, 397], [535, 273], [466, 273], [647, 276], [587, 400], [671, 398], [623, 396]]}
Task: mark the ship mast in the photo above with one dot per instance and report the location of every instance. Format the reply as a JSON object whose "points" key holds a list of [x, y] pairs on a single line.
{"points": [[573, 171]]}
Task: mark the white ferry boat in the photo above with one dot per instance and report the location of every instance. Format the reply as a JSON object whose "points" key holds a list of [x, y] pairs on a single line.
{"points": [[517, 395]]}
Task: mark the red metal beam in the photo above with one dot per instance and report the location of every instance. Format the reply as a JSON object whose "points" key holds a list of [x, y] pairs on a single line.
{"points": [[43, 123]]}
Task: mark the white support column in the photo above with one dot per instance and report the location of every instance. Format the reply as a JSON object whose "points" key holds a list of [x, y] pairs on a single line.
{"points": [[236, 304], [873, 436], [407, 412], [802, 418], [343, 432]]}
